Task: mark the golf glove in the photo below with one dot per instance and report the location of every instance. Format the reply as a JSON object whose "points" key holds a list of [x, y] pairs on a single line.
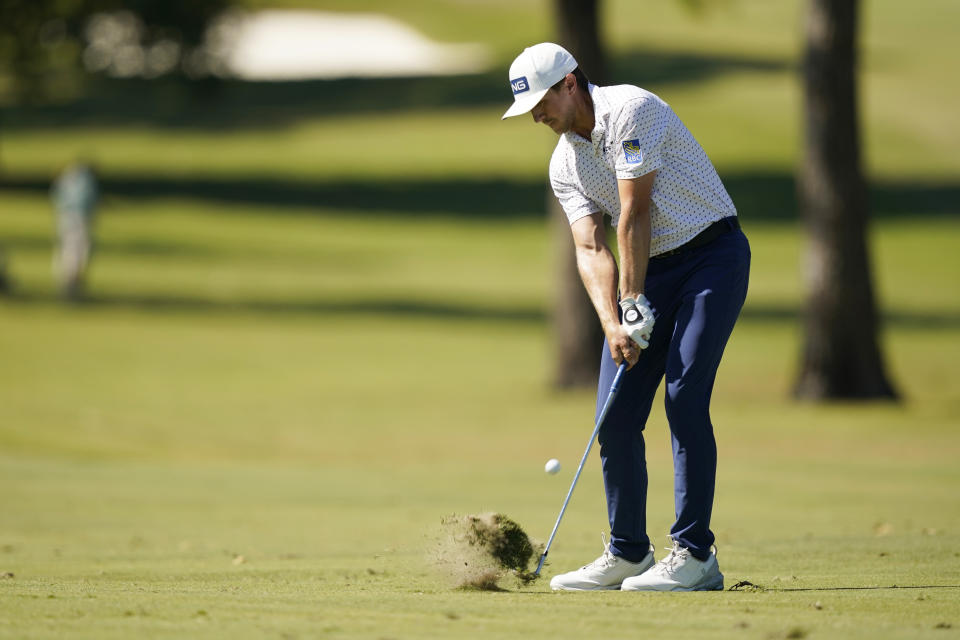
{"points": [[637, 319]]}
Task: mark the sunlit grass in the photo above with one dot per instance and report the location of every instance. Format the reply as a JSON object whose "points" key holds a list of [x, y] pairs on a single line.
{"points": [[254, 425]]}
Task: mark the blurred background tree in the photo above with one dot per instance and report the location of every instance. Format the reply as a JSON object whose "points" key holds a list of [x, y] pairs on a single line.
{"points": [[46, 44], [841, 355], [577, 331]]}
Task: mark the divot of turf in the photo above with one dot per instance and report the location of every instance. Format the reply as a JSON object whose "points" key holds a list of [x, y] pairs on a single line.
{"points": [[478, 551]]}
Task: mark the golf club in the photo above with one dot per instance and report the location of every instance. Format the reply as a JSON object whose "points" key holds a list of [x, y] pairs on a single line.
{"points": [[614, 388]]}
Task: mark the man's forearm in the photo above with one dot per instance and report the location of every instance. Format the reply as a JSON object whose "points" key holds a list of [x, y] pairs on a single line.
{"points": [[598, 270], [633, 232], [633, 243]]}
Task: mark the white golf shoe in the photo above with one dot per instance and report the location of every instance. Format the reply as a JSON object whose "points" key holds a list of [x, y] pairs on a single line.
{"points": [[679, 571], [606, 572]]}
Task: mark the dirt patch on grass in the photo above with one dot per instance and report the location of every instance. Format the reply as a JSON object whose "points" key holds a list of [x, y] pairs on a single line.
{"points": [[479, 551]]}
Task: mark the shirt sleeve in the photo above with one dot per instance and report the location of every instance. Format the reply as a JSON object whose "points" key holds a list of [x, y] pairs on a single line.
{"points": [[640, 130], [573, 201]]}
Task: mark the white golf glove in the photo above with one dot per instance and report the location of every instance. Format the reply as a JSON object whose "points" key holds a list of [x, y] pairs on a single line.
{"points": [[637, 319]]}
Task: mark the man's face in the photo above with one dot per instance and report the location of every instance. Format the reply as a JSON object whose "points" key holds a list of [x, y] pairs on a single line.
{"points": [[556, 110]]}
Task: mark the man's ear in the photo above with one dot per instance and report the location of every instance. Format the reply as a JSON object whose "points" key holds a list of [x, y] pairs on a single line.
{"points": [[570, 82]]}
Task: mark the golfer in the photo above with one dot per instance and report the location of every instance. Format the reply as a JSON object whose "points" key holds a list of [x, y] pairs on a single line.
{"points": [[667, 311]]}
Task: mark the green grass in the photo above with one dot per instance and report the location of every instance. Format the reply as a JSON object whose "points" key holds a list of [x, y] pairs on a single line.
{"points": [[295, 361], [230, 439]]}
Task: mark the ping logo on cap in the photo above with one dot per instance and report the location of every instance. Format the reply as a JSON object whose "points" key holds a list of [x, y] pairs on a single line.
{"points": [[519, 85], [632, 152]]}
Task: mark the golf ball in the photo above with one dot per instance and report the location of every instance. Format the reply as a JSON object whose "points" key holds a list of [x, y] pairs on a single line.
{"points": [[552, 466]]}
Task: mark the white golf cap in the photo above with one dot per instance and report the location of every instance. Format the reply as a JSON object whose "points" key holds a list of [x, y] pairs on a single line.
{"points": [[533, 72]]}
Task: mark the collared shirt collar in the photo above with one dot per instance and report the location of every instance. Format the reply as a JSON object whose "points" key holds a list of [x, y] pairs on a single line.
{"points": [[601, 111], [601, 115]]}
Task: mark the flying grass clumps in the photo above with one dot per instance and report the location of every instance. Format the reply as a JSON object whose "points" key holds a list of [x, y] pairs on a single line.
{"points": [[478, 551]]}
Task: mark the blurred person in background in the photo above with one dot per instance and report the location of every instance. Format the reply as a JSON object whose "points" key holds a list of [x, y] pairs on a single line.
{"points": [[74, 194]]}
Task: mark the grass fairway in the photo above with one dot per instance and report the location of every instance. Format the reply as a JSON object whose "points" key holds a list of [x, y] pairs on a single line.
{"points": [[231, 440], [318, 325]]}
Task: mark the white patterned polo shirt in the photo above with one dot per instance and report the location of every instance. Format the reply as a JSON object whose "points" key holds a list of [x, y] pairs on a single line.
{"points": [[635, 132]]}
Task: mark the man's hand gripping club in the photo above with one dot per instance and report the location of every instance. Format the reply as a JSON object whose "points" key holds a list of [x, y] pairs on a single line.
{"points": [[637, 323]]}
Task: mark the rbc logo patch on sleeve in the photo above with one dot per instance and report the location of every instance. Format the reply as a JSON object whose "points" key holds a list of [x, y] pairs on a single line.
{"points": [[632, 151], [519, 85]]}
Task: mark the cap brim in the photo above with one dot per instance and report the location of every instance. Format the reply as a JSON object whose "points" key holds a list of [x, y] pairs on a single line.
{"points": [[524, 104]]}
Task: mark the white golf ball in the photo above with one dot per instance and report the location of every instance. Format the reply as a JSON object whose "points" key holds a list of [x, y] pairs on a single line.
{"points": [[552, 466]]}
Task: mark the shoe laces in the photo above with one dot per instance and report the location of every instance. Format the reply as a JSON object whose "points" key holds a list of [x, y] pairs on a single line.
{"points": [[677, 555], [606, 559]]}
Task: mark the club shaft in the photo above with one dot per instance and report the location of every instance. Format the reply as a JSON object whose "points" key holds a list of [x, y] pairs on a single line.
{"points": [[614, 388]]}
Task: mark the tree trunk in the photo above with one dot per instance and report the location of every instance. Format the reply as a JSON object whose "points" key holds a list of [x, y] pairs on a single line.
{"points": [[577, 331], [841, 356], [578, 336], [578, 31]]}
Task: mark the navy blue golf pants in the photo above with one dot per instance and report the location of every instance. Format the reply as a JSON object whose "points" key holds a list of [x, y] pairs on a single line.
{"points": [[696, 297]]}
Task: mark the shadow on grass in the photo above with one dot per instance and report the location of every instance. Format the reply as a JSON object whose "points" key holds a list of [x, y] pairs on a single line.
{"points": [[402, 308], [175, 102], [783, 314], [893, 586], [140, 248], [759, 195], [381, 308], [746, 585]]}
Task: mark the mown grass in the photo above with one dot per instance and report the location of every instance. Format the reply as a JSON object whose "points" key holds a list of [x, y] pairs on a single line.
{"points": [[312, 333], [232, 437]]}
